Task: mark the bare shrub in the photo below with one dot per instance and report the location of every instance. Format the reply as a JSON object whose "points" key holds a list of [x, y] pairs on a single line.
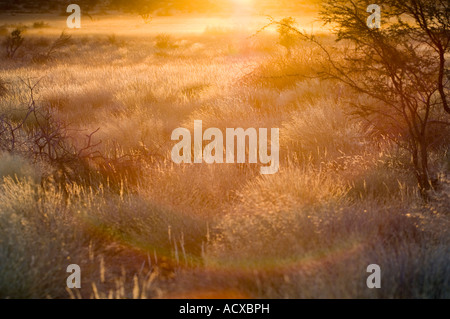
{"points": [[41, 136], [63, 41]]}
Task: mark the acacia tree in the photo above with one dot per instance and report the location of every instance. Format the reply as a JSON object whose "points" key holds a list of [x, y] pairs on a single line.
{"points": [[431, 26], [287, 37], [399, 70]]}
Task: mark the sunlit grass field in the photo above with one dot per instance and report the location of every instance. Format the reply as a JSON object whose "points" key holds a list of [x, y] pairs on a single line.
{"points": [[141, 226]]}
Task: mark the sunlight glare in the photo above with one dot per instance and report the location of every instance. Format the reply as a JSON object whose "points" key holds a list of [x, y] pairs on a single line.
{"points": [[242, 4]]}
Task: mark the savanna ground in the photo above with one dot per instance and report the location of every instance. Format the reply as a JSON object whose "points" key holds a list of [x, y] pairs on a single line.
{"points": [[140, 226]]}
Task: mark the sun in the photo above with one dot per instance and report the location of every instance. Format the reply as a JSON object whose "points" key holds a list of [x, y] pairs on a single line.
{"points": [[242, 6], [242, 3]]}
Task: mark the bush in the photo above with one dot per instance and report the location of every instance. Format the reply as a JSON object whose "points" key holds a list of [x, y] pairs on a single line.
{"points": [[287, 37], [165, 42], [38, 241], [322, 132], [13, 42], [275, 221], [282, 71]]}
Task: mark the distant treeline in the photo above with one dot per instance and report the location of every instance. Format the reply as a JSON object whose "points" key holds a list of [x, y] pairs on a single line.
{"points": [[149, 6]]}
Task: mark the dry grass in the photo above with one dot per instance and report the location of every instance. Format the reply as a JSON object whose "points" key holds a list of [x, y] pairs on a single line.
{"points": [[340, 202]]}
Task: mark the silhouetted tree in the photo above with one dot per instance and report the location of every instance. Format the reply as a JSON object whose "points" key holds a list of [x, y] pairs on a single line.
{"points": [[13, 42], [287, 38], [399, 69]]}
